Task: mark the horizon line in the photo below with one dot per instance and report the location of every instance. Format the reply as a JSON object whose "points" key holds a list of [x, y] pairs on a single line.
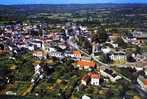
{"points": [[69, 3]]}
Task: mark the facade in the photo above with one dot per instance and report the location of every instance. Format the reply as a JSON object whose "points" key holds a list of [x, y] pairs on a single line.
{"points": [[119, 57], [95, 79], [92, 77], [56, 54]]}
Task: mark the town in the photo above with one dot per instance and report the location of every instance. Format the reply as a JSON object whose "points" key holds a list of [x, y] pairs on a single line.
{"points": [[71, 61]]}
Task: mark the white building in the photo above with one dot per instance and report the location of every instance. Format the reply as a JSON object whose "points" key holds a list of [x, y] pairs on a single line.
{"points": [[40, 54], [142, 82], [113, 79], [93, 77], [85, 97], [95, 81], [119, 57], [106, 50], [56, 54]]}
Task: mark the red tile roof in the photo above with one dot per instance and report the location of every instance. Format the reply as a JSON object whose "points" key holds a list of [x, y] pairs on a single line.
{"points": [[84, 63], [94, 75], [77, 53]]}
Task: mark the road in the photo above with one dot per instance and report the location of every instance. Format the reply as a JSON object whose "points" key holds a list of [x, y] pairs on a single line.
{"points": [[27, 91]]}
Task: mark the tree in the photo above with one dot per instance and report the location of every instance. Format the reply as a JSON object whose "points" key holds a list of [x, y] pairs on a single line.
{"points": [[109, 93], [102, 35], [121, 43], [25, 68]]}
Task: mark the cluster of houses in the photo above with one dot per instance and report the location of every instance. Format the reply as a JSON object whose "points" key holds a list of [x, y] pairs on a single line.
{"points": [[22, 38], [57, 45], [136, 38], [19, 38]]}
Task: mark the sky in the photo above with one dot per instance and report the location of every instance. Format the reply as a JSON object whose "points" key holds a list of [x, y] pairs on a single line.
{"points": [[9, 2]]}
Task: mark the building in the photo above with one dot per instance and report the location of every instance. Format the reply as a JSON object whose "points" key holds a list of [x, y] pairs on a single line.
{"points": [[110, 74], [85, 97], [140, 37], [50, 49], [77, 54], [56, 54], [40, 54], [38, 43], [119, 57], [2, 49], [95, 78], [114, 36], [106, 50], [92, 77], [62, 46], [85, 64], [142, 81]]}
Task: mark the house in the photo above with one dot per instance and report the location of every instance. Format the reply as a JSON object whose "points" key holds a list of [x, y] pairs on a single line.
{"points": [[54, 36], [77, 54], [38, 43], [93, 77], [39, 54], [62, 46], [50, 49], [39, 74], [95, 47], [142, 81], [56, 54], [30, 47], [131, 38], [11, 93], [37, 69], [106, 50], [140, 37], [118, 57], [85, 64], [85, 97], [2, 49], [21, 45], [114, 36], [131, 57], [110, 74], [145, 69], [112, 44]]}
